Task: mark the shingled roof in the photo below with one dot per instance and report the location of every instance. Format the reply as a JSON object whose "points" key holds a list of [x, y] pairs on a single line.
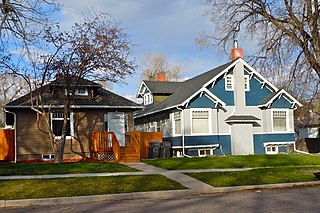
{"points": [[102, 99], [162, 87], [185, 90]]}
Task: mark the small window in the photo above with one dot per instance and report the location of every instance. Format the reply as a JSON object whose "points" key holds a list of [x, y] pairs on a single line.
{"points": [[205, 152], [148, 99], [177, 123], [272, 150], [229, 83], [246, 83], [158, 124], [81, 91], [48, 157]]}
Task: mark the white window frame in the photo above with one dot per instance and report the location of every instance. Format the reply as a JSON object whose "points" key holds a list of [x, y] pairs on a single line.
{"points": [[82, 93], [71, 124], [209, 121], [271, 152], [205, 150], [147, 99], [229, 83], [287, 119], [174, 123], [246, 82], [47, 157]]}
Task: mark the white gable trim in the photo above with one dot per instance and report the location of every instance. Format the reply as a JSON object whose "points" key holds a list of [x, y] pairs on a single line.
{"points": [[209, 93], [279, 94], [142, 89]]}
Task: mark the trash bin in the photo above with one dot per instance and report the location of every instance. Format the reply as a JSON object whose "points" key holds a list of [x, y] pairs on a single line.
{"points": [[154, 149], [166, 151]]}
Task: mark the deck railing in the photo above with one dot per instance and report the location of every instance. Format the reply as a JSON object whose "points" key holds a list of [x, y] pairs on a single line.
{"points": [[104, 142]]}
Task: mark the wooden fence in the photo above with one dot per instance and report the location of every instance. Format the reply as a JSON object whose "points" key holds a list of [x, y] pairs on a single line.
{"points": [[6, 145], [104, 142], [145, 138]]}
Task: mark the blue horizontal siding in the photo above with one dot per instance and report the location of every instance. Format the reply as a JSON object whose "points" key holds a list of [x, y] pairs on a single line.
{"points": [[223, 140], [281, 103], [256, 94], [259, 139], [220, 92]]}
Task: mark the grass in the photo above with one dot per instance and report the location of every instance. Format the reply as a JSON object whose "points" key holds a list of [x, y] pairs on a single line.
{"points": [[259, 176], [66, 187], [62, 168], [243, 161]]}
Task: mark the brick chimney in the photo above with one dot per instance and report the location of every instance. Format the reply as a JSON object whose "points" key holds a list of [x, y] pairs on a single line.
{"points": [[161, 76], [236, 52]]}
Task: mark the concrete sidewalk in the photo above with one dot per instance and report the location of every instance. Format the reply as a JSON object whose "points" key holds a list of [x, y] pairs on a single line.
{"points": [[195, 187]]}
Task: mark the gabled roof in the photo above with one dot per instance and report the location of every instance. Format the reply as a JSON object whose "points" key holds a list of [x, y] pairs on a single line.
{"points": [[197, 85], [103, 99], [158, 87], [186, 90], [269, 100]]}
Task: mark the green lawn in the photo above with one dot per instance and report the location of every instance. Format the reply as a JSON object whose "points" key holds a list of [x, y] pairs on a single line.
{"points": [[62, 168], [66, 187], [243, 161], [259, 176]]}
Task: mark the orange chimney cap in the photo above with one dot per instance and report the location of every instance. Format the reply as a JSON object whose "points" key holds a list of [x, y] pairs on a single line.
{"points": [[236, 53]]}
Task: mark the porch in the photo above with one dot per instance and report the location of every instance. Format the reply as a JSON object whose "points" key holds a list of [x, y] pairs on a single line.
{"points": [[105, 146]]}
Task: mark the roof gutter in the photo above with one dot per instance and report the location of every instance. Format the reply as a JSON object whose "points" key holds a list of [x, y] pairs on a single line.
{"points": [[15, 133]]}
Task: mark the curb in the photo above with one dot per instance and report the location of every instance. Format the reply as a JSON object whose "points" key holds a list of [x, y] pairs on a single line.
{"points": [[94, 198], [147, 195]]}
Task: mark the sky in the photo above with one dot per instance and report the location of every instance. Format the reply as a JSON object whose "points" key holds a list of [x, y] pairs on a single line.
{"points": [[169, 27]]}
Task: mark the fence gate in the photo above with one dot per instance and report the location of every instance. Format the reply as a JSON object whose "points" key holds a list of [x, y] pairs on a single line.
{"points": [[6, 145]]}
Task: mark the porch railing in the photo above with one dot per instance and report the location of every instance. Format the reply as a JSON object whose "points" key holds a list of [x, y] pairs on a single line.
{"points": [[104, 142]]}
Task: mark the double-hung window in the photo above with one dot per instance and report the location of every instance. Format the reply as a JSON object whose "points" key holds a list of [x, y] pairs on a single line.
{"points": [[200, 121], [280, 120], [57, 124]]}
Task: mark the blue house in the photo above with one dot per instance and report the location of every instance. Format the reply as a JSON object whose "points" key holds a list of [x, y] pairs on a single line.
{"points": [[231, 109]]}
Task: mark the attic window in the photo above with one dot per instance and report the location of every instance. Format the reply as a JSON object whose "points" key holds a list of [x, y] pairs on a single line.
{"points": [[229, 83], [148, 99], [81, 91]]}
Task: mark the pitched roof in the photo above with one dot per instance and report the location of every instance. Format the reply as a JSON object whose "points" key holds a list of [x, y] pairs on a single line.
{"points": [[187, 89], [103, 99], [162, 87]]}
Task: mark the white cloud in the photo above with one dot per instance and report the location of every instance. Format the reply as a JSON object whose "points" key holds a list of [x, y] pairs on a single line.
{"points": [[166, 26]]}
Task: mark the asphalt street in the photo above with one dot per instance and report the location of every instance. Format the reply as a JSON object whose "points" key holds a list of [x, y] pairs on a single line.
{"points": [[292, 200]]}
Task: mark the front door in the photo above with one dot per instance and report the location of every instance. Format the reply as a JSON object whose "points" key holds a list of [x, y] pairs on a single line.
{"points": [[115, 123]]}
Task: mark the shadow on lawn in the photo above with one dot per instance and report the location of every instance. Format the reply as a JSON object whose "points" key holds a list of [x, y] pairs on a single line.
{"points": [[317, 175]]}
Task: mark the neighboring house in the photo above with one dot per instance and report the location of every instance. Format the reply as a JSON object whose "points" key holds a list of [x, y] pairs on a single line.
{"points": [[92, 109], [309, 131], [231, 109]]}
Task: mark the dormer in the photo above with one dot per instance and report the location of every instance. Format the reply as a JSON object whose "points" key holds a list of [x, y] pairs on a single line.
{"points": [[82, 89], [153, 92]]}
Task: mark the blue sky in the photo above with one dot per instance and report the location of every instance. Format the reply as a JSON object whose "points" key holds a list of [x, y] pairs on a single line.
{"points": [[169, 27]]}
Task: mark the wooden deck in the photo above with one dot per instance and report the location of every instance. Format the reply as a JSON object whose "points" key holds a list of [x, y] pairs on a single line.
{"points": [[106, 146]]}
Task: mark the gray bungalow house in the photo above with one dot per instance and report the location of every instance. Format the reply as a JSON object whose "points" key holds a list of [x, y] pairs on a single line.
{"points": [[231, 109]]}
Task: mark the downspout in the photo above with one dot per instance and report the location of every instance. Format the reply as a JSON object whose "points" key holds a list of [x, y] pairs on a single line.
{"points": [[299, 151], [15, 133], [182, 134]]}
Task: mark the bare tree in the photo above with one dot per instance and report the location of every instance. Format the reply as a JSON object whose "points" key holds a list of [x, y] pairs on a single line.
{"points": [[23, 20], [97, 49], [282, 35], [11, 87], [156, 62]]}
